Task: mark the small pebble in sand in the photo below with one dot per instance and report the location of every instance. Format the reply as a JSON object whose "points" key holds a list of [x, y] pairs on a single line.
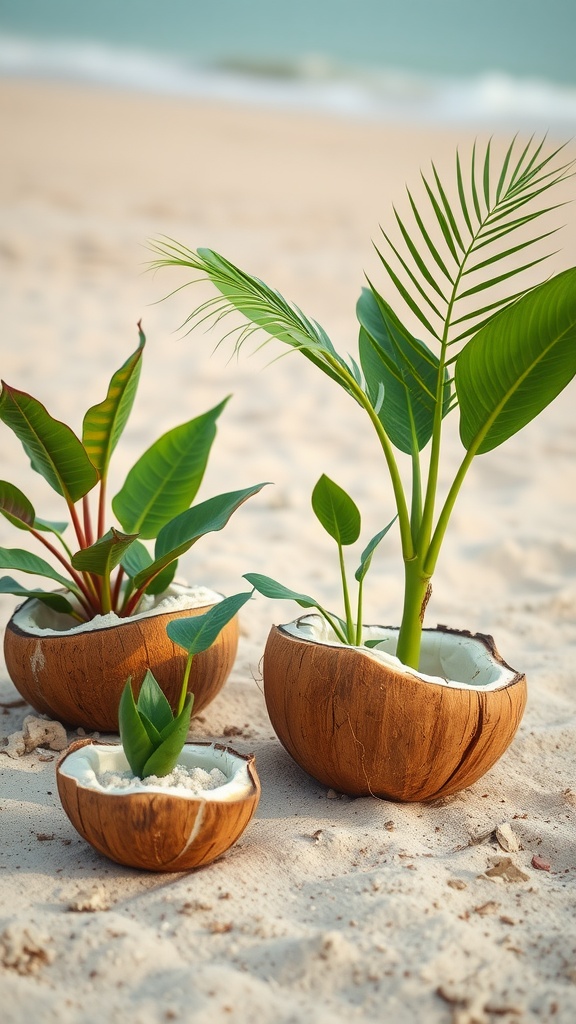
{"points": [[89, 900], [507, 839], [192, 780], [540, 863], [36, 732], [504, 867]]}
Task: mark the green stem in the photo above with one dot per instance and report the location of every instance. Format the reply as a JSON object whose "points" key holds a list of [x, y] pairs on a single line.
{"points": [[184, 690], [332, 623], [359, 613], [416, 507], [399, 497], [350, 631], [105, 594], [416, 594]]}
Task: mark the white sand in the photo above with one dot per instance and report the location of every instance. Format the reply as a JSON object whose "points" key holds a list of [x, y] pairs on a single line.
{"points": [[328, 909]]}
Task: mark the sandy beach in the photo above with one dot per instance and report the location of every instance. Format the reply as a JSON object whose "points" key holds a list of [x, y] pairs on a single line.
{"points": [[329, 909]]}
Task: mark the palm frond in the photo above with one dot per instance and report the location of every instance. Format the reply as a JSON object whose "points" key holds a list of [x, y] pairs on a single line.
{"points": [[470, 235], [264, 308]]}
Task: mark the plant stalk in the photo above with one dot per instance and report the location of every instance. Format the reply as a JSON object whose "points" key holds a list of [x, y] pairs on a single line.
{"points": [[416, 594], [184, 690]]}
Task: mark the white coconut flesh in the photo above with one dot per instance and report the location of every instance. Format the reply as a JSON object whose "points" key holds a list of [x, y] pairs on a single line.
{"points": [[448, 659], [91, 761], [37, 618]]}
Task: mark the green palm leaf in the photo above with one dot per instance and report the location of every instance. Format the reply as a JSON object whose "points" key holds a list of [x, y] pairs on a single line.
{"points": [[264, 308], [491, 205]]}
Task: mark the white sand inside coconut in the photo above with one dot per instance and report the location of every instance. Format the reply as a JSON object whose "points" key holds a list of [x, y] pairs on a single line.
{"points": [[192, 780], [37, 618], [446, 658], [210, 769]]}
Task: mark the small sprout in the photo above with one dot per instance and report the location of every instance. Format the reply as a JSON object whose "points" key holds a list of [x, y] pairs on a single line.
{"points": [[151, 734]]}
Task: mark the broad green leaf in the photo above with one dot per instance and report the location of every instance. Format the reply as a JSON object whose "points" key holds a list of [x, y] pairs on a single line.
{"points": [[406, 368], [50, 526], [199, 632], [103, 556], [336, 511], [14, 505], [137, 558], [152, 702], [162, 581], [24, 561], [104, 423], [56, 601], [135, 740], [165, 480], [53, 448], [165, 757], [178, 536], [277, 592], [151, 730], [517, 364], [366, 557]]}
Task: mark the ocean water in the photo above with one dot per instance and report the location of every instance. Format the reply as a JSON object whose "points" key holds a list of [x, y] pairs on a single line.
{"points": [[501, 63]]}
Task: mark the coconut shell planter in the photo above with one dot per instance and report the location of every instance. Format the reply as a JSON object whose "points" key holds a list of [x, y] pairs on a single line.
{"points": [[154, 826], [359, 721], [76, 673]]}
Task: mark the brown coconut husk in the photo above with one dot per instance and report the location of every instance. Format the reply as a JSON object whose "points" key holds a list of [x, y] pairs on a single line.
{"points": [[164, 831], [366, 728], [78, 678]]}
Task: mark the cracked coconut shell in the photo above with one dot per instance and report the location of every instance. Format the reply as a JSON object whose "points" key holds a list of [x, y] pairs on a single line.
{"points": [[362, 723], [156, 828], [77, 676]]}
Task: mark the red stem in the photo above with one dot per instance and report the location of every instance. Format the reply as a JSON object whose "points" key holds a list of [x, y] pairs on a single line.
{"points": [[78, 579], [87, 521], [77, 526]]}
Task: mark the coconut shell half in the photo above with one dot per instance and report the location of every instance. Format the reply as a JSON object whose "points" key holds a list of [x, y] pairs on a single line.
{"points": [[78, 677], [158, 829], [364, 724]]}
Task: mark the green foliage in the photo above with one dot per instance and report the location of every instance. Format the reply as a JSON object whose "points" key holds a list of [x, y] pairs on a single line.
{"points": [[110, 569], [339, 515], [457, 263], [152, 735]]}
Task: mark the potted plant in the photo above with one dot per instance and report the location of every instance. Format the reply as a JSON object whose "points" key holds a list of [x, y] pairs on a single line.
{"points": [[154, 801], [412, 713], [70, 651]]}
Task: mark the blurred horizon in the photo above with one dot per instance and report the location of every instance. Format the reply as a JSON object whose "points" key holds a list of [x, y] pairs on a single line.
{"points": [[502, 62]]}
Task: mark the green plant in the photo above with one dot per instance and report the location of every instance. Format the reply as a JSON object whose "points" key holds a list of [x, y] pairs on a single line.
{"points": [[111, 570], [340, 517], [498, 352], [151, 735]]}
